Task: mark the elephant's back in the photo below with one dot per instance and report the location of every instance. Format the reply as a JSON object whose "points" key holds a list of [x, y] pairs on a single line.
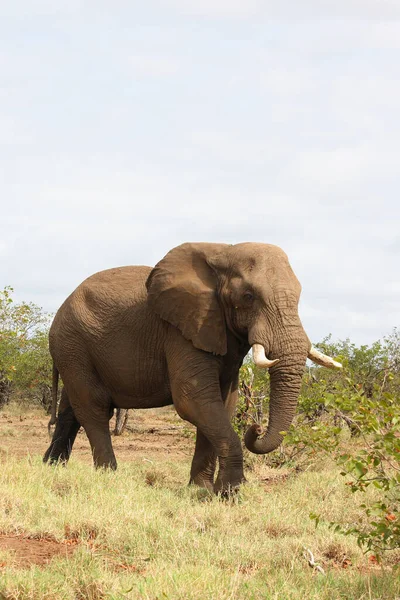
{"points": [[119, 286], [104, 301]]}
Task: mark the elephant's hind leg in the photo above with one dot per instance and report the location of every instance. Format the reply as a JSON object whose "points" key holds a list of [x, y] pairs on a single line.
{"points": [[65, 433], [99, 436], [92, 406]]}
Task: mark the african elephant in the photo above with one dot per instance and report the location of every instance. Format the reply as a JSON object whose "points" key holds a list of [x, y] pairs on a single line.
{"points": [[137, 337]]}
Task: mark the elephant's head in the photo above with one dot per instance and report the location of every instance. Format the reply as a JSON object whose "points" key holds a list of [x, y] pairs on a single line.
{"points": [[250, 289]]}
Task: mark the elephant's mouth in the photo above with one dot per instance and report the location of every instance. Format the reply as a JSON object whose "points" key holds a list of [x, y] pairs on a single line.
{"points": [[261, 360]]}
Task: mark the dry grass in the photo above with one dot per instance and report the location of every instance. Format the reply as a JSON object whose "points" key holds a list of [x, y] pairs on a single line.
{"points": [[142, 533]]}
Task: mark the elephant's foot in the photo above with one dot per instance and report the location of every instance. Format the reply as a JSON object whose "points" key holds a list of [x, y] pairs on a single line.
{"points": [[110, 464], [203, 482], [104, 457], [227, 489], [59, 451], [100, 443], [229, 479], [64, 435], [55, 458]]}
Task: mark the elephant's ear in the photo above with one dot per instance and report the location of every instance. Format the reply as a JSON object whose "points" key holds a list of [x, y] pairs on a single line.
{"points": [[182, 289]]}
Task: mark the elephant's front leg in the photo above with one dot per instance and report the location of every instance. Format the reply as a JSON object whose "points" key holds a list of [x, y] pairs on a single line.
{"points": [[205, 459], [197, 398], [204, 463], [211, 418], [230, 396]]}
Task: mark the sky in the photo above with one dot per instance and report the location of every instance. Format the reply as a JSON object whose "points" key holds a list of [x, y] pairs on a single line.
{"points": [[127, 128]]}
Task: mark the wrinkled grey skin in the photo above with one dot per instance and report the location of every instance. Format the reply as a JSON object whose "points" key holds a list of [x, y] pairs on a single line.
{"points": [[136, 337]]}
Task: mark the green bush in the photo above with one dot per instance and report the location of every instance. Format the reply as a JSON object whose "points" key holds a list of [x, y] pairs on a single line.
{"points": [[376, 462], [25, 363], [351, 415]]}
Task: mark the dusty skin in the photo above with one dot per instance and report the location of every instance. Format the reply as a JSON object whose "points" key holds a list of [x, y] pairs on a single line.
{"points": [[150, 434]]}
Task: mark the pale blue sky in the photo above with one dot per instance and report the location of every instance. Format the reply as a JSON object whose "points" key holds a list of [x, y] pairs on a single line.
{"points": [[127, 128]]}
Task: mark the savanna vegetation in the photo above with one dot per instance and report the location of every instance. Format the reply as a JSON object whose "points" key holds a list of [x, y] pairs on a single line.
{"points": [[318, 518], [25, 364]]}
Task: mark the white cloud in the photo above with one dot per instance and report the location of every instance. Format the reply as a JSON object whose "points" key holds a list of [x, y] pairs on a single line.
{"points": [[230, 128], [289, 9], [226, 147], [286, 10], [153, 66], [12, 133], [343, 166]]}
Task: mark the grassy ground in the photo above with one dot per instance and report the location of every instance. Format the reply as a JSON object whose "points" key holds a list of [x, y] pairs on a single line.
{"points": [[142, 533]]}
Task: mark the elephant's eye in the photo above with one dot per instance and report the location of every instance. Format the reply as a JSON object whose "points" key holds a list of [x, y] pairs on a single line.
{"points": [[248, 297]]}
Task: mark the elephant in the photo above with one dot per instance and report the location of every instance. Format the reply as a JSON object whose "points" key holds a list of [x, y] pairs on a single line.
{"points": [[142, 337]]}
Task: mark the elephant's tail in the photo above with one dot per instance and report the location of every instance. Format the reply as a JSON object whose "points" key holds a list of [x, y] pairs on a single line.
{"points": [[54, 395]]}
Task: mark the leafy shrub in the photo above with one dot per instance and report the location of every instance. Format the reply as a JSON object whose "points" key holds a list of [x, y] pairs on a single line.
{"points": [[354, 416], [376, 462], [253, 396], [25, 363]]}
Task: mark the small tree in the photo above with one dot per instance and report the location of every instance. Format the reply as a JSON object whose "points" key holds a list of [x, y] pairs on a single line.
{"points": [[253, 396], [25, 363]]}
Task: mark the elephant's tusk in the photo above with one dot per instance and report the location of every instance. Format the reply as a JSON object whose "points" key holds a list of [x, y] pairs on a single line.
{"points": [[323, 360], [260, 359]]}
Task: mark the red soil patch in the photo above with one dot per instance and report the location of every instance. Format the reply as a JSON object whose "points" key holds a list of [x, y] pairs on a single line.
{"points": [[27, 551], [155, 435]]}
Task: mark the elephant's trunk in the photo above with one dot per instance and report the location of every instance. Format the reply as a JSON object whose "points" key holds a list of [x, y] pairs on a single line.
{"points": [[285, 382]]}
